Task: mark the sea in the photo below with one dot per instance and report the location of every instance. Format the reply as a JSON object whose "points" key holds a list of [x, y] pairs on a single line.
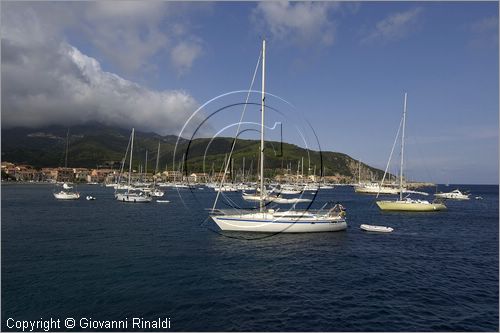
{"points": [[104, 261]]}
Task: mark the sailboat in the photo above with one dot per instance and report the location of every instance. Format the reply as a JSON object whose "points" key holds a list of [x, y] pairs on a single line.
{"points": [[132, 195], [408, 204], [66, 193], [373, 187], [270, 220], [155, 190]]}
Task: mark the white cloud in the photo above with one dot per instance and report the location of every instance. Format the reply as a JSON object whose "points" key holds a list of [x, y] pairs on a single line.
{"points": [[77, 90], [300, 22], [394, 27], [184, 54], [46, 80], [128, 33]]}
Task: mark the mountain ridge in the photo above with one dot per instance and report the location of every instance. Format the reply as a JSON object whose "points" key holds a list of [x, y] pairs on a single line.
{"points": [[97, 145]]}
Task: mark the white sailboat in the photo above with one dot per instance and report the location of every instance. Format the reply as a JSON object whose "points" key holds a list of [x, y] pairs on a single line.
{"points": [[270, 220], [373, 187], [407, 204], [66, 192], [132, 195]]}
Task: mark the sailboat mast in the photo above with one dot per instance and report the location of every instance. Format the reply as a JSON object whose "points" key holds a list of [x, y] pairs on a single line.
{"points": [[359, 172], [157, 158], [261, 203], [130, 164], [146, 167], [402, 153], [67, 147]]}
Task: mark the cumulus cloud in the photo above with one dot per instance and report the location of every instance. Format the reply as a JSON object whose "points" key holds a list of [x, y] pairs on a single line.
{"points": [[47, 81], [394, 27], [300, 22], [77, 90], [127, 34]]}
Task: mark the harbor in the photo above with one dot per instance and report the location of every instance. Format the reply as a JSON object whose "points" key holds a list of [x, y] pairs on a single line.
{"points": [[110, 260]]}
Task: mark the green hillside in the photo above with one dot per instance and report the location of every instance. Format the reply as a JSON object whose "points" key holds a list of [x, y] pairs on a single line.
{"points": [[96, 145]]}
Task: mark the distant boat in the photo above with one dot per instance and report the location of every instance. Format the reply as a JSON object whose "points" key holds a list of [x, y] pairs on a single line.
{"points": [[375, 228], [227, 188], [270, 220], [132, 195], [375, 188], [453, 195], [66, 193], [89, 197], [407, 204]]}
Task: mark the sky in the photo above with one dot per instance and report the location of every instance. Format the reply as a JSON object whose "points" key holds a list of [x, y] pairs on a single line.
{"points": [[334, 70]]}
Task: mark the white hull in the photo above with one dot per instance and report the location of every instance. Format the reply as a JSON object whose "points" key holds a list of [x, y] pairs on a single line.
{"points": [[453, 195], [132, 197], [265, 222], [274, 199], [375, 228], [375, 190], [63, 195], [227, 189], [288, 191]]}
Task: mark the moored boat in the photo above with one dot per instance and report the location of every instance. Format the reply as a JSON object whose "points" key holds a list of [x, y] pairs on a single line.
{"points": [[407, 204], [410, 205], [375, 228], [453, 195], [271, 221]]}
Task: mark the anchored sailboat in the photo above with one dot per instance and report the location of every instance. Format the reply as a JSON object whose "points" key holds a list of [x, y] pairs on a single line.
{"points": [[66, 193], [407, 204], [270, 220], [132, 195]]}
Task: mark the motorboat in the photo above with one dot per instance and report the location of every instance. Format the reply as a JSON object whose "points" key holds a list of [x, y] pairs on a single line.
{"points": [[453, 195]]}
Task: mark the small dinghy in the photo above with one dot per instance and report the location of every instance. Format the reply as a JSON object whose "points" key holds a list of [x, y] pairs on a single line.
{"points": [[375, 228], [162, 201], [89, 197]]}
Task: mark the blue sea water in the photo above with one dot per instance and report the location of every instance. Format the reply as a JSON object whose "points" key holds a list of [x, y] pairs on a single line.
{"points": [[108, 260]]}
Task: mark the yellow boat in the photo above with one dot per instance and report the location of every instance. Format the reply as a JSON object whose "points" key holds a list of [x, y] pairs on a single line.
{"points": [[407, 204], [410, 205]]}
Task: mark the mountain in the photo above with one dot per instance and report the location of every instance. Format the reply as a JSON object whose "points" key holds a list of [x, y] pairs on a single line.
{"points": [[94, 145]]}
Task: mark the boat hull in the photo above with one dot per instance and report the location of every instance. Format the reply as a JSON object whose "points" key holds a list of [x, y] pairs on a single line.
{"points": [[375, 228], [270, 224], [451, 197], [123, 197], [373, 190], [410, 206], [67, 195]]}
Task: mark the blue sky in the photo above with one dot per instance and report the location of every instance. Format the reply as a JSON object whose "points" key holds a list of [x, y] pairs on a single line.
{"points": [[344, 66]]}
